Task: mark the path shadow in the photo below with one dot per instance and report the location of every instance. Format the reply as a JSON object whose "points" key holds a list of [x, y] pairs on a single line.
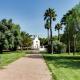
{"points": [[64, 61], [34, 56], [32, 52]]}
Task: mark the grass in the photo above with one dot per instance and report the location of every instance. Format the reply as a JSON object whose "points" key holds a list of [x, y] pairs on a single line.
{"points": [[8, 57], [63, 66]]}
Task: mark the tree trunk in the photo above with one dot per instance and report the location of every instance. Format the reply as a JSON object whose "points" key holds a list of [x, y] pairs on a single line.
{"points": [[48, 36], [68, 46], [74, 45], [68, 41], [1, 49], [58, 35], [51, 36]]}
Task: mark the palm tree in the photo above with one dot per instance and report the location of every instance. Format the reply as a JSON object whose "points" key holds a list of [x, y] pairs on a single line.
{"points": [[65, 21], [75, 17], [47, 26], [7, 23], [51, 15], [58, 27]]}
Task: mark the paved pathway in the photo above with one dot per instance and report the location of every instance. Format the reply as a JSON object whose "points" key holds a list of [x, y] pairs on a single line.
{"points": [[30, 67]]}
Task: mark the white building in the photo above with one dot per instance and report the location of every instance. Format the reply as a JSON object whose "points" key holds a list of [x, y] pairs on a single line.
{"points": [[42, 49], [36, 43]]}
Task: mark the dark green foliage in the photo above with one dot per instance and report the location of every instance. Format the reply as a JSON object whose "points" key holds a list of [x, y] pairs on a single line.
{"points": [[71, 20], [2, 41], [9, 35], [78, 42], [59, 47], [58, 27], [49, 48], [26, 39], [43, 41]]}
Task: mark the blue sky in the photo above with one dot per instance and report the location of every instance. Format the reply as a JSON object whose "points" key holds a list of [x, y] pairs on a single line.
{"points": [[29, 13]]}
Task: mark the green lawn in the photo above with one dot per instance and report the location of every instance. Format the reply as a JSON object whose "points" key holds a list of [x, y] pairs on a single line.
{"points": [[8, 57], [63, 66]]}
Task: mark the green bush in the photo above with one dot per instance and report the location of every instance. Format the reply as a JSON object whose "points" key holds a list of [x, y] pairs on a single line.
{"points": [[59, 47]]}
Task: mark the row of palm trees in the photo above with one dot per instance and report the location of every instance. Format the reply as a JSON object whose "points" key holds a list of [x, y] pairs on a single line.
{"points": [[49, 17], [71, 21]]}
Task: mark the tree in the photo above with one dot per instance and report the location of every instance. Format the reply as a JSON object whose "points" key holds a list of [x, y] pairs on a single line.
{"points": [[43, 41], [71, 20], [10, 37], [47, 26], [58, 27], [3, 40], [16, 36], [59, 47], [51, 16], [65, 21], [26, 39]]}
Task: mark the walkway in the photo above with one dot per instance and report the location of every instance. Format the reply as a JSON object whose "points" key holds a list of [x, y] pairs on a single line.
{"points": [[30, 67]]}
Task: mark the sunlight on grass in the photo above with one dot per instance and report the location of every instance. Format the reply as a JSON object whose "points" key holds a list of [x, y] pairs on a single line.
{"points": [[8, 57], [63, 66]]}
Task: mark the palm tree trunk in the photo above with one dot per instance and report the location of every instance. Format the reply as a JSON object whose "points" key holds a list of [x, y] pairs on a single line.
{"points": [[51, 36], [48, 36], [58, 35], [68, 41], [68, 46], [74, 45]]}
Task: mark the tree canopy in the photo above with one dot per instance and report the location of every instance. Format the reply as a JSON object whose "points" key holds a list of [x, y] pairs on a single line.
{"points": [[11, 37]]}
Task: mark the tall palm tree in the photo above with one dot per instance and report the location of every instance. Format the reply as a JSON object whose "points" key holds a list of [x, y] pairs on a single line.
{"points": [[47, 26], [75, 17], [64, 21], [58, 27], [51, 15]]}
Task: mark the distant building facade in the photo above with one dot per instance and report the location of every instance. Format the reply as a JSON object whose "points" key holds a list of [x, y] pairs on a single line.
{"points": [[36, 43]]}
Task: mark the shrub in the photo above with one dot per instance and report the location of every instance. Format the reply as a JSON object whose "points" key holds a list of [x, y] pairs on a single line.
{"points": [[59, 47]]}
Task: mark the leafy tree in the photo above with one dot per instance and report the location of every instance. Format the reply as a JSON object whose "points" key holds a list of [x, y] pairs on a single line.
{"points": [[59, 47], [3, 40], [55, 38], [16, 36], [26, 39], [10, 37], [43, 41]]}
